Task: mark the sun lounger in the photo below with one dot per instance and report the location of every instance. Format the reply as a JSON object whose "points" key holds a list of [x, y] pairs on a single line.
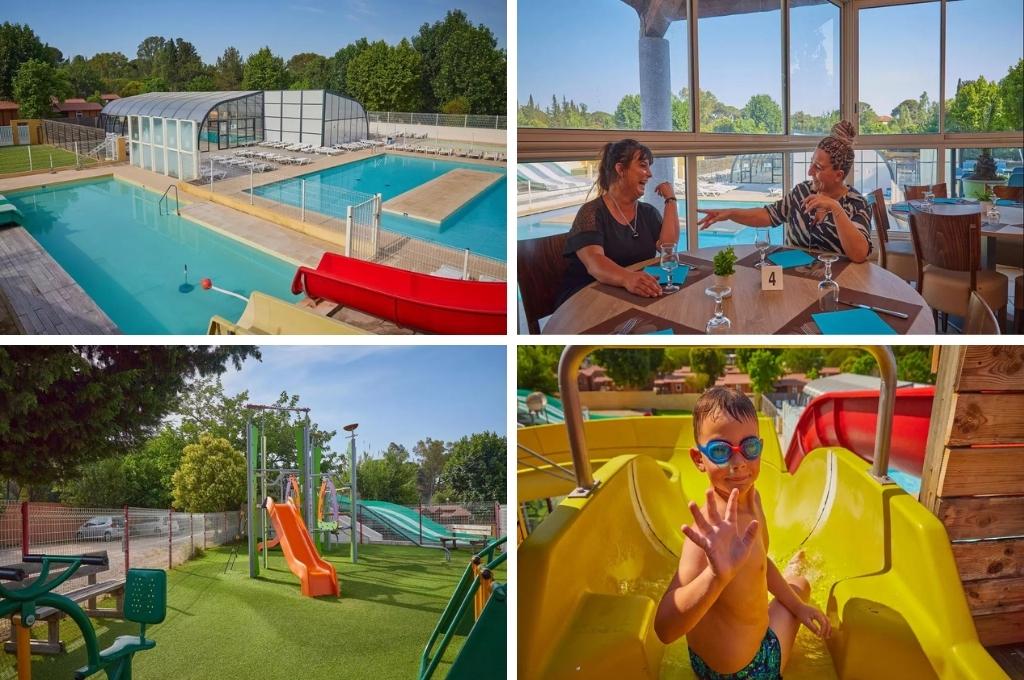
{"points": [[267, 315], [422, 302]]}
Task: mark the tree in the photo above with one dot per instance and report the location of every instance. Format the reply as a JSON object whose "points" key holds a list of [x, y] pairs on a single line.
{"points": [[634, 368], [764, 369], [36, 84], [536, 366], [675, 357], [211, 477], [457, 106], [308, 71], [264, 71], [177, 62], [976, 107], [147, 54], [802, 360], [627, 113], [709, 361], [385, 78], [82, 78], [914, 363], [472, 68], [227, 73], [391, 478], [431, 43], [475, 470], [432, 454], [1011, 94], [18, 45], [65, 406], [764, 112], [110, 66], [337, 67], [201, 83]]}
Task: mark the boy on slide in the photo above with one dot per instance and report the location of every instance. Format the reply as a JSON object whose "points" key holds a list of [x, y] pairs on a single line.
{"points": [[718, 598]]}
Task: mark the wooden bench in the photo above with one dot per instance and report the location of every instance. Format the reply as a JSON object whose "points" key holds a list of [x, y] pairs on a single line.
{"points": [[89, 593]]}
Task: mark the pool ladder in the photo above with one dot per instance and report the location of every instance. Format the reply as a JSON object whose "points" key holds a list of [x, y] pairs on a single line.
{"points": [[163, 201]]}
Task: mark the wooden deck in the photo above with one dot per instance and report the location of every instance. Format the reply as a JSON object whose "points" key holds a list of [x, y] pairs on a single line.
{"points": [[41, 296], [436, 200], [1011, 658]]}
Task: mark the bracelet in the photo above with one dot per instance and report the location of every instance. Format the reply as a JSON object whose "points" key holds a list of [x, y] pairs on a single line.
{"points": [[670, 199]]}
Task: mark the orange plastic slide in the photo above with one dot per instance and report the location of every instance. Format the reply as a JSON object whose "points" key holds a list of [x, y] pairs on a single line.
{"points": [[316, 575]]}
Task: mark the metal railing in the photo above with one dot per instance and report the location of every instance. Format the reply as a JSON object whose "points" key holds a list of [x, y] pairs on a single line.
{"points": [[165, 203], [439, 119], [375, 527], [348, 218]]}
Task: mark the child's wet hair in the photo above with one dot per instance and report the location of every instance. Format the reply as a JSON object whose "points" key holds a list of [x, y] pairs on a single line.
{"points": [[732, 403]]}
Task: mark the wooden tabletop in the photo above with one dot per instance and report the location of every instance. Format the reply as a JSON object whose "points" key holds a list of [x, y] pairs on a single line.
{"points": [[1008, 227], [751, 310]]}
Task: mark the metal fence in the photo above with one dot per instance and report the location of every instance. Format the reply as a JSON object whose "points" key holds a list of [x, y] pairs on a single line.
{"points": [[438, 119], [349, 218]]}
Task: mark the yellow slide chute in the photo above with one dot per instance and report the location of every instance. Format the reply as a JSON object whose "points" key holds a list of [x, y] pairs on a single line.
{"points": [[592, 573]]}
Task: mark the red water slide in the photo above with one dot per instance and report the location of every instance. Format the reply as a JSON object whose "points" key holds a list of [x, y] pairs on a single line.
{"points": [[850, 419]]}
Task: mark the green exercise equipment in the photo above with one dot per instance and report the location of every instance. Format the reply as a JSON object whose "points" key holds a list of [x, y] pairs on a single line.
{"points": [[145, 602]]}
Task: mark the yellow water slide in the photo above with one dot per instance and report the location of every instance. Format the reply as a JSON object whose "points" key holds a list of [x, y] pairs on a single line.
{"points": [[592, 573]]}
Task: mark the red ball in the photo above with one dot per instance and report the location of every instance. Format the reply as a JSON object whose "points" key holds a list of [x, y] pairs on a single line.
{"points": [[207, 284]]}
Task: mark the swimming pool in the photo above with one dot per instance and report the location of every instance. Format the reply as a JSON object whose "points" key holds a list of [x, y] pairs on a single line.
{"points": [[110, 237], [479, 225], [539, 225]]}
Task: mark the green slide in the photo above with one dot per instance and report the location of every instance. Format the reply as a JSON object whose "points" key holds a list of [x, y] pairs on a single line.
{"points": [[553, 411], [407, 523]]}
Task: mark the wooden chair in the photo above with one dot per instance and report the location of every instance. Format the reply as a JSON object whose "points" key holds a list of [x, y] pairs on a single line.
{"points": [[980, 319], [1018, 304], [948, 251], [1010, 193], [540, 270], [912, 192], [896, 256]]}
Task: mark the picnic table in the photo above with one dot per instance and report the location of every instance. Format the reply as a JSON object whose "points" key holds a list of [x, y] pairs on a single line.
{"points": [[600, 308], [89, 593]]}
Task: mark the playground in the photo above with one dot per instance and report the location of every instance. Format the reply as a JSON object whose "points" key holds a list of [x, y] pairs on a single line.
{"points": [[305, 575], [617, 489]]}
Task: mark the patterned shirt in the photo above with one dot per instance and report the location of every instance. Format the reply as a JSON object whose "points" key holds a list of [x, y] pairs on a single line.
{"points": [[802, 230]]}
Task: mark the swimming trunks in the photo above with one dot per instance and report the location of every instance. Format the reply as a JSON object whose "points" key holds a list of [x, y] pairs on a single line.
{"points": [[766, 664]]}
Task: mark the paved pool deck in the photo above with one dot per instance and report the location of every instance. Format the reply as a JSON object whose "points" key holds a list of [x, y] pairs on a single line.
{"points": [[436, 200]]}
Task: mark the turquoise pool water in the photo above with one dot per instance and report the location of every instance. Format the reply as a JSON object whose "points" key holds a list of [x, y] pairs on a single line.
{"points": [[109, 236], [479, 225], [538, 225]]}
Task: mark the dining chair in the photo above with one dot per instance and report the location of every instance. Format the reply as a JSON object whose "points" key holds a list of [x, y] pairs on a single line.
{"points": [[896, 256], [912, 191], [1009, 193], [980, 319], [1018, 304], [948, 251], [540, 269]]}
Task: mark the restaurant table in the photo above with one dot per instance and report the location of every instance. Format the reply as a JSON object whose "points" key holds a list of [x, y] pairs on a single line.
{"points": [[1009, 227], [600, 308]]}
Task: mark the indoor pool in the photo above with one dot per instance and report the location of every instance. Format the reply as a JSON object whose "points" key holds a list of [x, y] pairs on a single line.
{"points": [[478, 226], [109, 236], [547, 224]]}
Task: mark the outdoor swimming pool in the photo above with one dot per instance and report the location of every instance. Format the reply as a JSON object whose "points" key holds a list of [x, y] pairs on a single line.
{"points": [[479, 225], [540, 224], [109, 236]]}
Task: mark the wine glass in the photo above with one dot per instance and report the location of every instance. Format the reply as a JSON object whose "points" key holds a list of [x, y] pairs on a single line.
{"points": [[761, 242], [719, 323], [929, 198], [669, 262], [828, 289]]}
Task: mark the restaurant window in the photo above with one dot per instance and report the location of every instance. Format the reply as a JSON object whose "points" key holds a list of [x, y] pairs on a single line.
{"points": [[813, 67]]}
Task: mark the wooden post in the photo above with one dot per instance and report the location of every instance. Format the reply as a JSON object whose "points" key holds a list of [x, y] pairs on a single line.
{"points": [[24, 648]]}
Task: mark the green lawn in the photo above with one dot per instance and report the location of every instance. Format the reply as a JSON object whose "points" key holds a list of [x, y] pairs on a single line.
{"points": [[15, 158], [230, 626]]}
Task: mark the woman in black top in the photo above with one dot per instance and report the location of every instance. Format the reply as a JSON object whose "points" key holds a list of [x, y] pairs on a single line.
{"points": [[616, 230]]}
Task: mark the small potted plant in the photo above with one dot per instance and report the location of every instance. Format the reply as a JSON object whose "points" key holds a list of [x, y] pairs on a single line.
{"points": [[724, 266], [986, 198]]}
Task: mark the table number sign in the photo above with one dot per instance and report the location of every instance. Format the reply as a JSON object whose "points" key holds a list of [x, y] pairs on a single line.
{"points": [[771, 277]]}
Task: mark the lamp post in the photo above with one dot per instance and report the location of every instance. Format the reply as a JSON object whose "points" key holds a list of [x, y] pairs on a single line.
{"points": [[353, 491]]}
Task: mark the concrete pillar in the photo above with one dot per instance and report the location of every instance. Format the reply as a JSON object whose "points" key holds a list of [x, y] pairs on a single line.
{"points": [[656, 105]]}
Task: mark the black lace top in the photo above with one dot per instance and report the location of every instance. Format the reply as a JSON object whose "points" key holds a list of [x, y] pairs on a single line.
{"points": [[595, 226]]}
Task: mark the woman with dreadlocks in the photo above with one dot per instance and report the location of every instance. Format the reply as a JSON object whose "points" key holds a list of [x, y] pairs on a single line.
{"points": [[823, 213]]}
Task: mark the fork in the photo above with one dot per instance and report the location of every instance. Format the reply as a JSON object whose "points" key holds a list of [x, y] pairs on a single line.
{"points": [[810, 328], [627, 328]]}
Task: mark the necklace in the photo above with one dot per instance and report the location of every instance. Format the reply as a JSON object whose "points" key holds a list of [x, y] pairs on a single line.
{"points": [[632, 226]]}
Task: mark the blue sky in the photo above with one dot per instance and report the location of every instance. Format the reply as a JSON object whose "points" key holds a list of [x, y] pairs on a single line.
{"points": [[586, 50], [287, 26], [397, 394]]}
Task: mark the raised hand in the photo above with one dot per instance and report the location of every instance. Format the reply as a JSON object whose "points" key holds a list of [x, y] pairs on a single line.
{"points": [[711, 216], [665, 190], [720, 537]]}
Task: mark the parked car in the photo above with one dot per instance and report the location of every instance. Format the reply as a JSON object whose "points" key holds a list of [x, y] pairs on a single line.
{"points": [[154, 526], [103, 527]]}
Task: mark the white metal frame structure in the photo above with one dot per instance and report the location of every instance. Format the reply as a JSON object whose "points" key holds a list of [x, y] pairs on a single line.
{"points": [[317, 117]]}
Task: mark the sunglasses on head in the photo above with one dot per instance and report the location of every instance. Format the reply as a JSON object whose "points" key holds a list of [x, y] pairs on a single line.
{"points": [[720, 451]]}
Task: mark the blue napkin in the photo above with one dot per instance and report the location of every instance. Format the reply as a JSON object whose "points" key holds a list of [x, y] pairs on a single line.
{"points": [[790, 258], [852, 322], [663, 331], [900, 207], [952, 201], [1009, 202], [678, 276]]}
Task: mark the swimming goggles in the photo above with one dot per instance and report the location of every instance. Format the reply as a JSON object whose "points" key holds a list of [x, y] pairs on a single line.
{"points": [[720, 451]]}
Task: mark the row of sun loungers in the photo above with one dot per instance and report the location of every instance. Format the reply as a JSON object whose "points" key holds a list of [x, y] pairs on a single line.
{"points": [[451, 151]]}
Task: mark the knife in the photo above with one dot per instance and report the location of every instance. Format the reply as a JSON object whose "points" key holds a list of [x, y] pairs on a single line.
{"points": [[899, 315]]}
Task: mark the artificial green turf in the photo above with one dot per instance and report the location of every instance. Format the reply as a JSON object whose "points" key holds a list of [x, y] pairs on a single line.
{"points": [[230, 626], [15, 158]]}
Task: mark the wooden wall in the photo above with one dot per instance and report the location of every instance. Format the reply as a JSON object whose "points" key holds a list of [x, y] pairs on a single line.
{"points": [[973, 480]]}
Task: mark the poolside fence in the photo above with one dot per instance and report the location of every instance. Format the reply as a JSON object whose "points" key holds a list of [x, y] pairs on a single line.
{"points": [[315, 209], [87, 143], [438, 119]]}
